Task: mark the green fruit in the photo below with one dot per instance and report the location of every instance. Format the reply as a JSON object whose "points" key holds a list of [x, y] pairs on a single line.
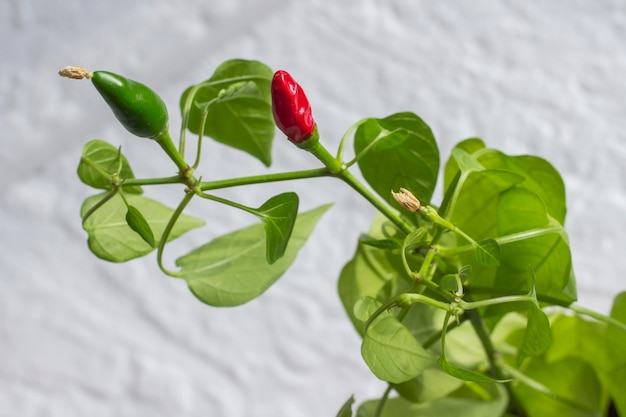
{"points": [[138, 108]]}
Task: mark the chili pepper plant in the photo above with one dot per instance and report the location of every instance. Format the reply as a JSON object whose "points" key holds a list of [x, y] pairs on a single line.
{"points": [[465, 305]]}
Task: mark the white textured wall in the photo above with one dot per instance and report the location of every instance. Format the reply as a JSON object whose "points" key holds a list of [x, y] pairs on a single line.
{"points": [[81, 337]]}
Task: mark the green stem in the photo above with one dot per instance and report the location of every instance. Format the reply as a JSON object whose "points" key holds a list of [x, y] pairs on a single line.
{"points": [[406, 299], [387, 211], [503, 240], [452, 193], [539, 387], [600, 317], [485, 339], [380, 310], [124, 199], [95, 167], [185, 112], [444, 332], [344, 141], [433, 286], [431, 214], [423, 276], [445, 206], [165, 141], [423, 273], [199, 147], [492, 291], [228, 203], [437, 336], [99, 204], [314, 146], [205, 113], [473, 305], [493, 358], [166, 233], [176, 179], [257, 179], [383, 401]]}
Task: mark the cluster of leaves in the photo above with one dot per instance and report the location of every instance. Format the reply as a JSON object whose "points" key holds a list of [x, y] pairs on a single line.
{"points": [[450, 301], [232, 269], [533, 363]]}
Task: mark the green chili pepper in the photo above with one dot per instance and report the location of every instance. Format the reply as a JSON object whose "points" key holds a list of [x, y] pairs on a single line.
{"points": [[140, 110]]}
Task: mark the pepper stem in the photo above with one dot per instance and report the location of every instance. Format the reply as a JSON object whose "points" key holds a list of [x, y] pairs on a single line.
{"points": [[314, 146], [165, 141]]}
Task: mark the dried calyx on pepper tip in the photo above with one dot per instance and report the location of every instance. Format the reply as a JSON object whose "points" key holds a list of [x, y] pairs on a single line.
{"points": [[291, 108], [76, 73]]}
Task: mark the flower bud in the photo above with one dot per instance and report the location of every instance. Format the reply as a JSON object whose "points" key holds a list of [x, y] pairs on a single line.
{"points": [[407, 200], [291, 108]]}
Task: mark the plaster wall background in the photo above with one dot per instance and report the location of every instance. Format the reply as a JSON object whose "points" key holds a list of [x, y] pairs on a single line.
{"points": [[79, 336]]}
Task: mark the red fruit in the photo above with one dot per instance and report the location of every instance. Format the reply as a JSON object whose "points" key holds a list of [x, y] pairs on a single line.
{"points": [[291, 108]]}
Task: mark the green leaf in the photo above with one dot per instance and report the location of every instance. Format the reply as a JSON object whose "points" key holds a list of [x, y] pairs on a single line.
{"points": [[407, 155], [563, 380], [240, 108], [449, 282], [382, 139], [464, 349], [461, 405], [567, 387], [541, 178], [391, 351], [469, 146], [572, 335], [520, 210], [464, 272], [232, 269], [616, 354], [279, 214], [99, 161], [346, 408], [233, 91], [109, 235], [358, 280], [538, 337], [365, 307], [417, 238], [424, 321], [368, 273], [139, 224], [487, 252], [430, 385], [494, 204], [461, 373], [386, 244], [474, 210], [465, 161]]}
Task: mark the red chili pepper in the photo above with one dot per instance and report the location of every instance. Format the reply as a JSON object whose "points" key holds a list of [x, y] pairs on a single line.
{"points": [[291, 108]]}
